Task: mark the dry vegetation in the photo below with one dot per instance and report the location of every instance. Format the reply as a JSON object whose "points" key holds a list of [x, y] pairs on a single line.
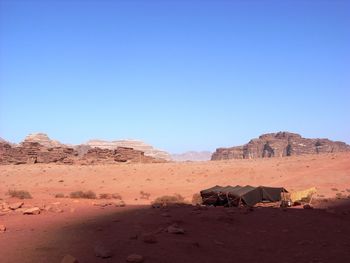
{"points": [[170, 199], [82, 194], [21, 194]]}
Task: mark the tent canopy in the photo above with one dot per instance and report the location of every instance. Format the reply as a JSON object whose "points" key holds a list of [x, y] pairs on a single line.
{"points": [[236, 195]]}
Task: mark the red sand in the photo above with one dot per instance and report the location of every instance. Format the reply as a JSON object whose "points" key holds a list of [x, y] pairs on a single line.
{"points": [[213, 235]]}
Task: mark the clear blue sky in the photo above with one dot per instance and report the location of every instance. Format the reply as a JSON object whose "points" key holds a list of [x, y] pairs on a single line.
{"points": [[181, 75]]}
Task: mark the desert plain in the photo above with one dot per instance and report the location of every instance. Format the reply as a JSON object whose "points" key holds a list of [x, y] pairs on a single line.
{"points": [[95, 230]]}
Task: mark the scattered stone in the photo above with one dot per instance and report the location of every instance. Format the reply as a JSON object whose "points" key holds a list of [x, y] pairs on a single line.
{"points": [[2, 228], [119, 203], [134, 258], [69, 259], [149, 238], [175, 229], [219, 243], [101, 251], [15, 206], [307, 206], [32, 211]]}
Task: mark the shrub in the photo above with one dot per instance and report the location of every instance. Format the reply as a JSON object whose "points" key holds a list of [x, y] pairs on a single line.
{"points": [[110, 196], [144, 195], [21, 194], [170, 199], [197, 199], [81, 194]]}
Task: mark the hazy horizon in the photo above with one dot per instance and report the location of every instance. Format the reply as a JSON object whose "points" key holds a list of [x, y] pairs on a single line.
{"points": [[178, 75]]}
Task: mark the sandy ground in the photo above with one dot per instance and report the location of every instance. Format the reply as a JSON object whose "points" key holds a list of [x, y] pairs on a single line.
{"points": [[211, 235]]}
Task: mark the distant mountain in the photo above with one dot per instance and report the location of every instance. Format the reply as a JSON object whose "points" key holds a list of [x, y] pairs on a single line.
{"points": [[149, 150], [192, 156], [279, 144], [82, 149]]}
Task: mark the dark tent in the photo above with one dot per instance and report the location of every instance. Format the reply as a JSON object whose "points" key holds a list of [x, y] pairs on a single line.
{"points": [[241, 195]]}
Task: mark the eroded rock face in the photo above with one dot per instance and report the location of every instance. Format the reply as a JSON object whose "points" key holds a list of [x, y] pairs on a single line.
{"points": [[149, 150], [121, 154], [279, 145], [33, 152], [43, 139]]}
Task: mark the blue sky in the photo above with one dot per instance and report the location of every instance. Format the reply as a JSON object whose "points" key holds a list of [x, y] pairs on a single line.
{"points": [[181, 75]]}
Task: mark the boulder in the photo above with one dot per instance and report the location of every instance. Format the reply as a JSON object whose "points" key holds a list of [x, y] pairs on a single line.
{"points": [[69, 259], [134, 258], [2, 228], [15, 206], [32, 211]]}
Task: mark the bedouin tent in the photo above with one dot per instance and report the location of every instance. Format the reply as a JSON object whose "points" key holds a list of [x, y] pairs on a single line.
{"points": [[240, 195]]}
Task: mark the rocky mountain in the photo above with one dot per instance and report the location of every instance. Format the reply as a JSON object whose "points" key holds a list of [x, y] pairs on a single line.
{"points": [[42, 139], [279, 144], [149, 150], [39, 148], [192, 156]]}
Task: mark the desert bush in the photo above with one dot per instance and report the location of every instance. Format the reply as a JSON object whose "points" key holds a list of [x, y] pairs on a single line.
{"points": [[110, 196], [170, 199], [340, 196], [197, 199], [81, 194], [144, 195], [59, 195], [21, 194]]}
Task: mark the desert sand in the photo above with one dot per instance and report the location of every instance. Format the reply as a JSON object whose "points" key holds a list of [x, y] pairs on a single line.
{"points": [[215, 234]]}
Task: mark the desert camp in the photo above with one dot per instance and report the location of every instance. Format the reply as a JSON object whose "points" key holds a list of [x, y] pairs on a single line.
{"points": [[241, 195]]}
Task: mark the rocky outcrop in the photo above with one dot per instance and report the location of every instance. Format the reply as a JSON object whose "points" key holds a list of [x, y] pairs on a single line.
{"points": [[43, 139], [149, 150], [121, 154], [192, 156], [34, 152], [279, 145]]}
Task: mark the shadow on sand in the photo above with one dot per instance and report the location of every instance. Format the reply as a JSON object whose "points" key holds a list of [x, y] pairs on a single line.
{"points": [[213, 234]]}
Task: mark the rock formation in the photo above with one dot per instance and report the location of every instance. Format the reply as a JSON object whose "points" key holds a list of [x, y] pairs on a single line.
{"points": [[149, 150], [34, 152], [192, 156], [279, 145], [39, 148], [43, 139]]}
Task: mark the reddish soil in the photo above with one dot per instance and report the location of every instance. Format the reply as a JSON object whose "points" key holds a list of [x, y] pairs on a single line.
{"points": [[211, 235]]}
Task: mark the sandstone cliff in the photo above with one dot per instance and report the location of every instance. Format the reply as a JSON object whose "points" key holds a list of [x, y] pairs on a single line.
{"points": [[149, 150], [43, 139], [279, 145], [39, 148]]}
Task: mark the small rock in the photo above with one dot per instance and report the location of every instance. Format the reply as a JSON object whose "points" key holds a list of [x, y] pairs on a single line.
{"points": [[296, 203], [119, 203], [149, 238], [307, 206], [32, 211], [101, 251], [69, 259], [175, 229], [134, 258], [219, 243], [2, 228], [15, 206]]}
